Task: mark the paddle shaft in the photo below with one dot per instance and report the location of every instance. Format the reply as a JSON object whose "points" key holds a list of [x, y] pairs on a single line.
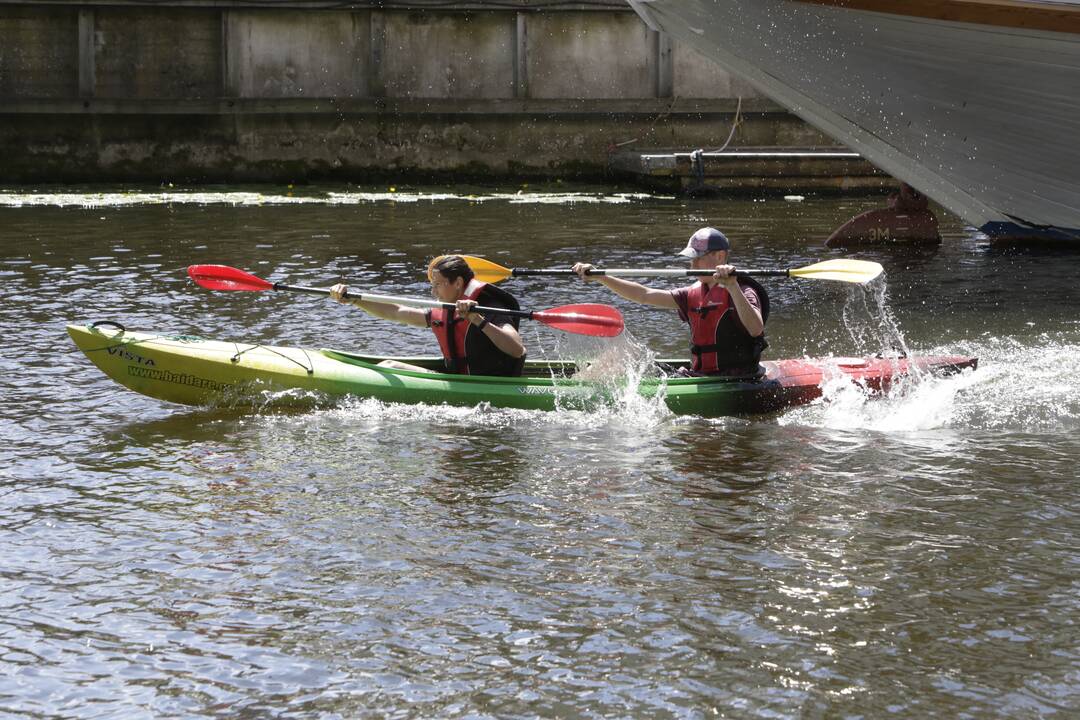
{"points": [[413, 302], [850, 271], [645, 272]]}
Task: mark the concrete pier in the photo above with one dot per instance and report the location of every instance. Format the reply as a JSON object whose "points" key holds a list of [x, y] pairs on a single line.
{"points": [[219, 91], [830, 170]]}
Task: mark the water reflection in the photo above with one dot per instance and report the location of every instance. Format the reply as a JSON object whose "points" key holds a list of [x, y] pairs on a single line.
{"points": [[899, 556]]}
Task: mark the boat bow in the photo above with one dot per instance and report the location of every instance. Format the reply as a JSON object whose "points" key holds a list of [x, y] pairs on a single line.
{"points": [[975, 103]]}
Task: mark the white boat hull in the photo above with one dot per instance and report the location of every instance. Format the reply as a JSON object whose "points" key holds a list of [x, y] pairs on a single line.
{"points": [[982, 118]]}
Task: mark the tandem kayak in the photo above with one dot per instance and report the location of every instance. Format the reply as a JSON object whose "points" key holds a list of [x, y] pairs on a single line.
{"points": [[193, 371]]}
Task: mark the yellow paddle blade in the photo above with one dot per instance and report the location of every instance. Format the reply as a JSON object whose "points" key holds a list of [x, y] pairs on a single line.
{"points": [[852, 271], [472, 262], [487, 271]]}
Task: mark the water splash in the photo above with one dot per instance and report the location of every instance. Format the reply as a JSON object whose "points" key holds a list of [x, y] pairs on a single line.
{"points": [[639, 413], [871, 323], [1018, 387], [617, 367], [915, 401], [1024, 385]]}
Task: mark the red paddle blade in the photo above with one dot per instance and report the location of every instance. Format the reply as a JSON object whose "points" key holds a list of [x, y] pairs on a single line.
{"points": [[589, 319], [223, 277]]}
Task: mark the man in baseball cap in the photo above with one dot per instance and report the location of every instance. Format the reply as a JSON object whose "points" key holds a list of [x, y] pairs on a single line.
{"points": [[705, 241], [726, 313]]}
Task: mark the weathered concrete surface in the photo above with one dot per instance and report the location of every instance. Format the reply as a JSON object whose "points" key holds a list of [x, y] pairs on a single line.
{"points": [[38, 52], [296, 53], [157, 53], [355, 142], [695, 76], [232, 92], [467, 55], [575, 55]]}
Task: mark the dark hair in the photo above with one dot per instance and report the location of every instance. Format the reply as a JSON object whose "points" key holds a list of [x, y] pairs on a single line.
{"points": [[452, 267]]}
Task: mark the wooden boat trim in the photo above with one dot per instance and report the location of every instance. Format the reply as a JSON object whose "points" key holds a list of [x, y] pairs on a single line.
{"points": [[999, 13]]}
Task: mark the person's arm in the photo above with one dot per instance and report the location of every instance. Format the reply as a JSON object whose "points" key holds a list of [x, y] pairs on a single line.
{"points": [[386, 311], [749, 316], [628, 289], [497, 329]]}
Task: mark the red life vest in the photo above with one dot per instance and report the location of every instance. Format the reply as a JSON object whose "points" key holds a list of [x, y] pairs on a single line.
{"points": [[451, 330], [467, 350], [718, 340]]}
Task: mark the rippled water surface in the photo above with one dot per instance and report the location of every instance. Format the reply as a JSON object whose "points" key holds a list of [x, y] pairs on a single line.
{"points": [[908, 556]]}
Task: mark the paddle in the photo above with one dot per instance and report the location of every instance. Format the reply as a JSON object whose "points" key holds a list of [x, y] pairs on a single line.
{"points": [[850, 271], [587, 319]]}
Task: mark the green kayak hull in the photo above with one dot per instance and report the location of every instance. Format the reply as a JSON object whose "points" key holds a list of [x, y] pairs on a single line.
{"points": [[194, 371]]}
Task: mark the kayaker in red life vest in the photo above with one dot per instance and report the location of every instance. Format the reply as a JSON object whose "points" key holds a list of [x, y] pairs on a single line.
{"points": [[471, 343], [726, 314]]}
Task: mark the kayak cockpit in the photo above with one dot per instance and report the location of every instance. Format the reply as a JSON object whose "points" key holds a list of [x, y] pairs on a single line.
{"points": [[545, 369], [533, 368]]}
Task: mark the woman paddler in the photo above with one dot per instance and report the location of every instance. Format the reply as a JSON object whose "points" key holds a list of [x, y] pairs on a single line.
{"points": [[471, 343]]}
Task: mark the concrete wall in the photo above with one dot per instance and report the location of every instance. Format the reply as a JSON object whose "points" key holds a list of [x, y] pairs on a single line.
{"points": [[148, 53], [464, 55], [38, 52], [695, 76], [220, 91], [297, 53], [575, 55]]}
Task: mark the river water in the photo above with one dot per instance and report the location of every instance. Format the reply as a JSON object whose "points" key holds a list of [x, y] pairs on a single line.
{"points": [[909, 556]]}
